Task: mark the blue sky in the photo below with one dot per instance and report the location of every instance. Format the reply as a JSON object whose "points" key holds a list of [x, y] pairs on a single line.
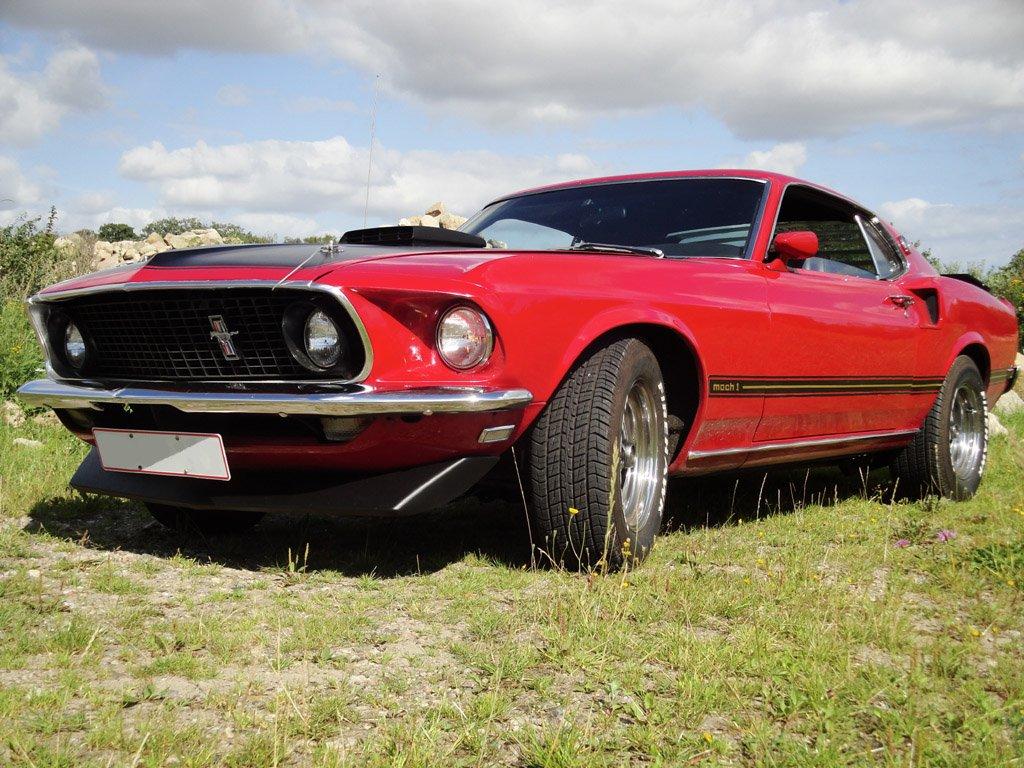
{"points": [[258, 112]]}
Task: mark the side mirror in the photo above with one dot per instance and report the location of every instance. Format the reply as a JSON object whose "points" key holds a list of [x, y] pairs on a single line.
{"points": [[794, 246]]}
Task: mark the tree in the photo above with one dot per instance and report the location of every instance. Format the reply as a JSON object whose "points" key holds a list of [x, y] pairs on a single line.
{"points": [[114, 232]]}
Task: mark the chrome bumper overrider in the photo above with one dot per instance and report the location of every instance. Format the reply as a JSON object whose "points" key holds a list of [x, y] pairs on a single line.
{"points": [[355, 401]]}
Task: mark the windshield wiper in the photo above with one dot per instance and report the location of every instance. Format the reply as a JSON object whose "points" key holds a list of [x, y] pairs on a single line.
{"points": [[612, 248]]}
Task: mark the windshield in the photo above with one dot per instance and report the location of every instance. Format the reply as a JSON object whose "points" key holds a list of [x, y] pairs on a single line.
{"points": [[680, 217]]}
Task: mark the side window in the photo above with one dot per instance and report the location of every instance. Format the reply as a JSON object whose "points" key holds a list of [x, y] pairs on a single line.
{"points": [[843, 247], [887, 261]]}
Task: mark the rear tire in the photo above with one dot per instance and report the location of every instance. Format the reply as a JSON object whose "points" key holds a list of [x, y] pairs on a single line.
{"points": [[204, 522], [598, 460], [947, 457]]}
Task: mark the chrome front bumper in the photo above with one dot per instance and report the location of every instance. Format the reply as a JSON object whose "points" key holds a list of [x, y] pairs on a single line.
{"points": [[354, 401]]}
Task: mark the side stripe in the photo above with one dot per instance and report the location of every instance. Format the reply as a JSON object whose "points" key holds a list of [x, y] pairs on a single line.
{"points": [[733, 386]]}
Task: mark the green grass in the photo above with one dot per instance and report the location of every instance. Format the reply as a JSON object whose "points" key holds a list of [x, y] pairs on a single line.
{"points": [[773, 624]]}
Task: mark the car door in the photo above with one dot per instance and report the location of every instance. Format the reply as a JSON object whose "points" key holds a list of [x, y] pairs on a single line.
{"points": [[843, 335]]}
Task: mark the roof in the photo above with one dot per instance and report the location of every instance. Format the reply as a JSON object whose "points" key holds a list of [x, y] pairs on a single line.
{"points": [[779, 178]]}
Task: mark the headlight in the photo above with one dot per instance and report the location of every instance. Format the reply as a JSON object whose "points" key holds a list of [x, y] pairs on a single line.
{"points": [[74, 346], [323, 342], [464, 338]]}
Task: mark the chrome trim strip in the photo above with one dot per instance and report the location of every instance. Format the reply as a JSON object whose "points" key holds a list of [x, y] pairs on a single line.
{"points": [[428, 483], [814, 442], [338, 294], [362, 400]]}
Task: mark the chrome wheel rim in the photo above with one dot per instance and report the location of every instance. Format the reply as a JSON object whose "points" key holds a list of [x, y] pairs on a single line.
{"points": [[639, 455], [966, 431]]}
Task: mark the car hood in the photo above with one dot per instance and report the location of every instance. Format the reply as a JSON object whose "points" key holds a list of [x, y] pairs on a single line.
{"points": [[290, 255]]}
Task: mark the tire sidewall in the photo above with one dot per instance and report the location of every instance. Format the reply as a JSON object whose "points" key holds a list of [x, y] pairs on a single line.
{"points": [[639, 363], [964, 371]]}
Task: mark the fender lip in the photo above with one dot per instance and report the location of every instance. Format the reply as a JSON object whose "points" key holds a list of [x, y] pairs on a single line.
{"points": [[353, 400]]}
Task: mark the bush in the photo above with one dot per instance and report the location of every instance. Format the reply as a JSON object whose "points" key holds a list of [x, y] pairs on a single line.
{"points": [[28, 258], [114, 232], [176, 226], [20, 355], [1008, 282]]}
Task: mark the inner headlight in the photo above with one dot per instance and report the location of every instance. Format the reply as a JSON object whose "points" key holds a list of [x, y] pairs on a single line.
{"points": [[464, 338], [74, 346], [323, 341]]}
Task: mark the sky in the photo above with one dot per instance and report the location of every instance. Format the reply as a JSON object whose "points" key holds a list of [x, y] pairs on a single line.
{"points": [[259, 112]]}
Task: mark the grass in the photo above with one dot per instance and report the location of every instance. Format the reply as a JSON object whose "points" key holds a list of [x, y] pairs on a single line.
{"points": [[775, 623]]}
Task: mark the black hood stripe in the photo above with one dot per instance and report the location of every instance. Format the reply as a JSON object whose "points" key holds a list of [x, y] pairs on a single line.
{"points": [[284, 255]]}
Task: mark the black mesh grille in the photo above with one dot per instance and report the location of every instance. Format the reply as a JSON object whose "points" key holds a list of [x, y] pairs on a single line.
{"points": [[165, 335]]}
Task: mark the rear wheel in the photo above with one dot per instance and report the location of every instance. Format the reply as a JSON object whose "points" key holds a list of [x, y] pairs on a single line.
{"points": [[205, 522], [599, 460], [947, 457]]}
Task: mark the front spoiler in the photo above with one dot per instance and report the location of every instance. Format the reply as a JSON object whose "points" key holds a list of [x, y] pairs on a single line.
{"points": [[349, 401], [395, 493]]}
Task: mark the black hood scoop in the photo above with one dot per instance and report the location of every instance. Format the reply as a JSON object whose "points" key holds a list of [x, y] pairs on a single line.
{"points": [[416, 235]]}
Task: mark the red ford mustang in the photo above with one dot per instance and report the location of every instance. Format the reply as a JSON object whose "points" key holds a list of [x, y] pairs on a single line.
{"points": [[610, 333]]}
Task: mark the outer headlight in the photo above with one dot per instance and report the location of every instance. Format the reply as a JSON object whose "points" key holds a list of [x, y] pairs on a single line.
{"points": [[74, 346], [322, 339], [464, 338]]}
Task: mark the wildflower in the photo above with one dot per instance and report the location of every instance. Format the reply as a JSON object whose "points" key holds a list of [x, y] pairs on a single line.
{"points": [[902, 543], [760, 561], [573, 511], [975, 632], [945, 535], [1011, 583], [708, 737]]}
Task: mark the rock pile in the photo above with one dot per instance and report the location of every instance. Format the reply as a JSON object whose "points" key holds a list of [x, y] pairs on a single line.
{"points": [[436, 215], [106, 254]]}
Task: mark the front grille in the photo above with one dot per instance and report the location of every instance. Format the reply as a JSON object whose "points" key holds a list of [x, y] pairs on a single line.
{"points": [[165, 334]]}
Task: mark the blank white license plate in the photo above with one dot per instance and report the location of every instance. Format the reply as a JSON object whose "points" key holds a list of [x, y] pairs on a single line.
{"points": [[178, 454]]}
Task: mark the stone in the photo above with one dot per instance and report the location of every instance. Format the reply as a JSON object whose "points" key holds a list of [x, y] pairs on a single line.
{"points": [[209, 236], [69, 243], [102, 247], [147, 249], [438, 209], [155, 238], [995, 427], [411, 221], [428, 221], [12, 414], [1009, 403], [46, 419], [25, 442], [451, 220], [184, 240]]}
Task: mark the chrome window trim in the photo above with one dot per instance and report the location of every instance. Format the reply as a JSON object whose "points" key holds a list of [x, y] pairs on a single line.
{"points": [[337, 293], [857, 207]]}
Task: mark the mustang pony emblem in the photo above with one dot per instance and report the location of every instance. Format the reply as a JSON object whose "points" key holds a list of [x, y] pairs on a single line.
{"points": [[223, 336]]}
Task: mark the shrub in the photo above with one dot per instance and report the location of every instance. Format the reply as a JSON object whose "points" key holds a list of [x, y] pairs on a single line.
{"points": [[20, 355], [114, 232], [28, 258], [172, 226]]}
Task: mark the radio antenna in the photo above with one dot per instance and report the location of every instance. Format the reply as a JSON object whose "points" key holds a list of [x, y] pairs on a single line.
{"points": [[373, 134]]}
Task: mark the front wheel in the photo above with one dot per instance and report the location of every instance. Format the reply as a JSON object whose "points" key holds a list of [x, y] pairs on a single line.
{"points": [[599, 460], [204, 522], [947, 457]]}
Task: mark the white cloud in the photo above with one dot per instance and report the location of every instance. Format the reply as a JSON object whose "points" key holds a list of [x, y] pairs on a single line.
{"points": [[17, 191], [32, 104], [232, 95], [329, 177], [965, 234], [770, 69], [787, 157]]}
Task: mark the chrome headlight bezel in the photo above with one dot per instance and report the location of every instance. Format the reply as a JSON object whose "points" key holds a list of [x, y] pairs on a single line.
{"points": [[475, 323]]}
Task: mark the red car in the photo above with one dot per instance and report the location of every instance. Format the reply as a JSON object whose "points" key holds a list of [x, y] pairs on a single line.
{"points": [[609, 333]]}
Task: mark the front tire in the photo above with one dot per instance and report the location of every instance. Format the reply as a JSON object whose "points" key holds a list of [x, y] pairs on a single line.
{"points": [[947, 457], [204, 522], [598, 460]]}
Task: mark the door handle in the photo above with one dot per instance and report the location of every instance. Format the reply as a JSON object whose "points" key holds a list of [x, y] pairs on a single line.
{"points": [[901, 301]]}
